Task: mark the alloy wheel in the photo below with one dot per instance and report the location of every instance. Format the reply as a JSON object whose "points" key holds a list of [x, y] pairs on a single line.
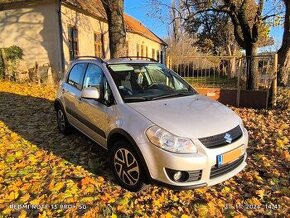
{"points": [[126, 166]]}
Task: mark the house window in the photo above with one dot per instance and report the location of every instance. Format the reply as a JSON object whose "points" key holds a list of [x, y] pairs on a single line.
{"points": [[153, 53], [161, 57], [99, 45], [146, 52], [157, 55], [142, 50], [138, 50], [73, 42]]}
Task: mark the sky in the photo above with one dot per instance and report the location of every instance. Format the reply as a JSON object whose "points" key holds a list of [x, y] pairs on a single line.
{"points": [[143, 11]]}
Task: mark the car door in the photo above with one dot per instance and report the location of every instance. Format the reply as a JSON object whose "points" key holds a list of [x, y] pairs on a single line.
{"points": [[95, 114], [71, 90]]}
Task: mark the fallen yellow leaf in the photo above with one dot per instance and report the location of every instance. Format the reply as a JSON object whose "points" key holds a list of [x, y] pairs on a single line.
{"points": [[36, 201], [22, 214], [25, 198], [58, 186]]}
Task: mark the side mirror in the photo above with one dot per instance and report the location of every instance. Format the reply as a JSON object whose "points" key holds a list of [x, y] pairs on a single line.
{"points": [[91, 93]]}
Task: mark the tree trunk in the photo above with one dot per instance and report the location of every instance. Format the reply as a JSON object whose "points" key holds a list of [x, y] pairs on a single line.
{"points": [[252, 67], [232, 68], [232, 64], [117, 34], [284, 51]]}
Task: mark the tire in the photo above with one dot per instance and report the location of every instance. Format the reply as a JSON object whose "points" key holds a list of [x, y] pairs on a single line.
{"points": [[62, 123], [126, 166]]}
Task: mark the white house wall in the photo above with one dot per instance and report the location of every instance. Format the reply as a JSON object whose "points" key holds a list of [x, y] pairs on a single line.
{"points": [[34, 29], [134, 39], [87, 27]]}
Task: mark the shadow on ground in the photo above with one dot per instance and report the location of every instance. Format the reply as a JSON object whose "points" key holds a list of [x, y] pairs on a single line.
{"points": [[34, 120]]}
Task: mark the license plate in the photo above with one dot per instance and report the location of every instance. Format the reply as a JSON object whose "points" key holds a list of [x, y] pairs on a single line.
{"points": [[230, 156]]}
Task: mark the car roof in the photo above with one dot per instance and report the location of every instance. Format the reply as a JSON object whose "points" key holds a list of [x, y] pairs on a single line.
{"points": [[129, 61], [122, 60]]}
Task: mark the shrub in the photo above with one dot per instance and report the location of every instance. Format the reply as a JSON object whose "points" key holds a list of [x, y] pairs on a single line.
{"points": [[13, 53], [8, 60]]}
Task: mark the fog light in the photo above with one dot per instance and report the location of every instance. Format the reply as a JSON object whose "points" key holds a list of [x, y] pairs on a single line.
{"points": [[177, 176]]}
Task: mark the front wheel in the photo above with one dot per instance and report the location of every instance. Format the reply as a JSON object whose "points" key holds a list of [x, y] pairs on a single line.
{"points": [[126, 166]]}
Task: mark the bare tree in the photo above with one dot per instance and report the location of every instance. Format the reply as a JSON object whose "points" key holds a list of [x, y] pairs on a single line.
{"points": [[117, 34], [176, 30], [284, 51], [248, 21], [180, 44]]}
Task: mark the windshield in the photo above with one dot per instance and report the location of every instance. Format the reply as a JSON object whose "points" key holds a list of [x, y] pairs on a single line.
{"points": [[146, 82]]}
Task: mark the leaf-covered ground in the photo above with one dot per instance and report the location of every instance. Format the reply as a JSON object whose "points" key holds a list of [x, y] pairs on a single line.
{"points": [[45, 174]]}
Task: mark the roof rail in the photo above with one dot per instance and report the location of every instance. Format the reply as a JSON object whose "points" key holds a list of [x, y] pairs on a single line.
{"points": [[91, 57], [137, 57]]}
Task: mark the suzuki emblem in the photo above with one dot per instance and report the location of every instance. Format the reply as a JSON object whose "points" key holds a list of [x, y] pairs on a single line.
{"points": [[228, 138]]}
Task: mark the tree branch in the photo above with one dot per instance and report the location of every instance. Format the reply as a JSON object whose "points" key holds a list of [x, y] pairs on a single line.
{"points": [[173, 9], [272, 15], [260, 7], [222, 9], [237, 31]]}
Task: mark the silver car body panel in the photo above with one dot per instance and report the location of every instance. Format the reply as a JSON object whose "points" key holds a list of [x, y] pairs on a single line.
{"points": [[193, 116]]}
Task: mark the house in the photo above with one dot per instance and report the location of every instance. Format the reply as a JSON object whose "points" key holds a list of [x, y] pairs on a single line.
{"points": [[142, 42], [54, 32]]}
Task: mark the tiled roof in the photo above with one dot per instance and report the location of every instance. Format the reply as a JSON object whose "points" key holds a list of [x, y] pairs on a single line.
{"points": [[135, 26], [95, 8]]}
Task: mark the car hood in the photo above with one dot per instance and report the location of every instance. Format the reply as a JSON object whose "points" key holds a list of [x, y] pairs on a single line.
{"points": [[193, 116]]}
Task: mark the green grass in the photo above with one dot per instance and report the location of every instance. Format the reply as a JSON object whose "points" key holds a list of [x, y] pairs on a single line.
{"points": [[212, 81]]}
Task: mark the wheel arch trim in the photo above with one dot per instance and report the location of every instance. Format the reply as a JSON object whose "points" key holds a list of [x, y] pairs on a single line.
{"points": [[58, 102]]}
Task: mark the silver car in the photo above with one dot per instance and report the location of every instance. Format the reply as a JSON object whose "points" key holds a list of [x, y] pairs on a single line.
{"points": [[155, 126]]}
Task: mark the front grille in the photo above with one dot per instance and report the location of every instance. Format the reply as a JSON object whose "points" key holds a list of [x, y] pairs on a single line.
{"points": [[219, 140], [194, 175], [219, 171]]}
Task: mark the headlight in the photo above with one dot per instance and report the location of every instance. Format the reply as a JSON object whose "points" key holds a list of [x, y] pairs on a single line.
{"points": [[170, 142]]}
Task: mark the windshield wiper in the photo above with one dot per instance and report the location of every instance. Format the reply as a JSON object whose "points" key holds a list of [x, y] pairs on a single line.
{"points": [[173, 95], [136, 98]]}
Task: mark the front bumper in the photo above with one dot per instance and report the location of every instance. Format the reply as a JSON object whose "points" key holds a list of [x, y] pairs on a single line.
{"points": [[205, 161]]}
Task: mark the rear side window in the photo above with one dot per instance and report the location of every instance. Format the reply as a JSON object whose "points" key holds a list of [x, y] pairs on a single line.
{"points": [[76, 75]]}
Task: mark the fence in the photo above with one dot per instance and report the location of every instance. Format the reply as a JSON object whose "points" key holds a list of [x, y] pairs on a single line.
{"points": [[223, 71], [227, 73]]}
